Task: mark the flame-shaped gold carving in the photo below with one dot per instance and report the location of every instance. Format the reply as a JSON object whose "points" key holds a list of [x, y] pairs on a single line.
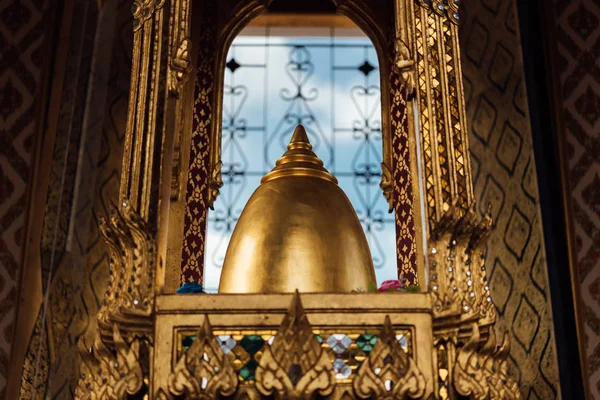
{"points": [[130, 294], [389, 373], [105, 374], [203, 372], [387, 185], [214, 185], [295, 366], [481, 372], [458, 276]]}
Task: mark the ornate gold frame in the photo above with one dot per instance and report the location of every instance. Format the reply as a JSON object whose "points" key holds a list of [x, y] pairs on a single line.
{"points": [[452, 324], [420, 47], [239, 15]]}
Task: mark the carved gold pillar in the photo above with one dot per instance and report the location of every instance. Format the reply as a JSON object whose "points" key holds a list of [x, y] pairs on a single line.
{"points": [[118, 361], [430, 97], [428, 58], [137, 228], [160, 68], [431, 55]]}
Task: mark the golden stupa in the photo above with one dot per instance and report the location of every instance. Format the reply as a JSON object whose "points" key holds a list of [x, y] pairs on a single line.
{"points": [[297, 231]]}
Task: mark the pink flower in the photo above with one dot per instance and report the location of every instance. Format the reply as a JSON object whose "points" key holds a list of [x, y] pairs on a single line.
{"points": [[391, 286]]}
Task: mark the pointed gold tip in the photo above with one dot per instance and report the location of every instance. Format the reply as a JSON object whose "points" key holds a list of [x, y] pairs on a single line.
{"points": [[299, 160], [296, 309], [299, 139]]}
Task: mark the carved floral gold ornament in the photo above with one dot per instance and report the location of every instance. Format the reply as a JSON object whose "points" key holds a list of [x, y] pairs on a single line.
{"points": [[181, 66], [203, 371], [109, 374], [215, 184], [180, 48], [405, 64], [389, 373], [295, 366], [387, 185], [481, 371], [129, 297]]}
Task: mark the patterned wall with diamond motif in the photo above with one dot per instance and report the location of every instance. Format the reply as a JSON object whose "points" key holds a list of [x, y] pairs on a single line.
{"points": [[22, 34], [504, 175], [577, 34], [78, 276], [84, 181]]}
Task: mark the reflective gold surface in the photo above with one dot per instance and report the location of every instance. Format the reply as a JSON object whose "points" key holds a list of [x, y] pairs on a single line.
{"points": [[297, 231]]}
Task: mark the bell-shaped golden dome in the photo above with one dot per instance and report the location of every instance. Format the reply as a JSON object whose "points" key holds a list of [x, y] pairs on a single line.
{"points": [[297, 231]]}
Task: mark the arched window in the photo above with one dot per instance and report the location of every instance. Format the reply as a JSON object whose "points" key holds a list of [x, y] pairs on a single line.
{"points": [[325, 78]]}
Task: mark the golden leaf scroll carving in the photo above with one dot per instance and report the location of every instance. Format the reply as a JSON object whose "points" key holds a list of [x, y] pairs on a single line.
{"points": [[215, 184], [105, 374], [203, 372], [387, 185], [295, 366], [180, 48], [389, 372], [405, 64], [129, 297], [481, 372], [404, 60]]}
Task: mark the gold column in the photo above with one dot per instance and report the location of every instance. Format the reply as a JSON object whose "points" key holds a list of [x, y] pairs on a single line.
{"points": [[442, 125], [160, 68], [118, 361], [463, 312]]}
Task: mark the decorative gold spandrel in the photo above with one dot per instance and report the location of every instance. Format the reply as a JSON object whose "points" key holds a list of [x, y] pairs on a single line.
{"points": [[203, 371], [389, 372], [481, 371], [295, 366]]}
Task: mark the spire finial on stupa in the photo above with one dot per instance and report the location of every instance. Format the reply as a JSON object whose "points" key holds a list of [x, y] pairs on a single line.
{"points": [[299, 160], [299, 139]]}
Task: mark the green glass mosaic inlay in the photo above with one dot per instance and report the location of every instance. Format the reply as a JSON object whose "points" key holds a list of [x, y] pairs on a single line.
{"points": [[346, 349], [252, 343], [366, 342], [248, 370], [187, 341]]}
